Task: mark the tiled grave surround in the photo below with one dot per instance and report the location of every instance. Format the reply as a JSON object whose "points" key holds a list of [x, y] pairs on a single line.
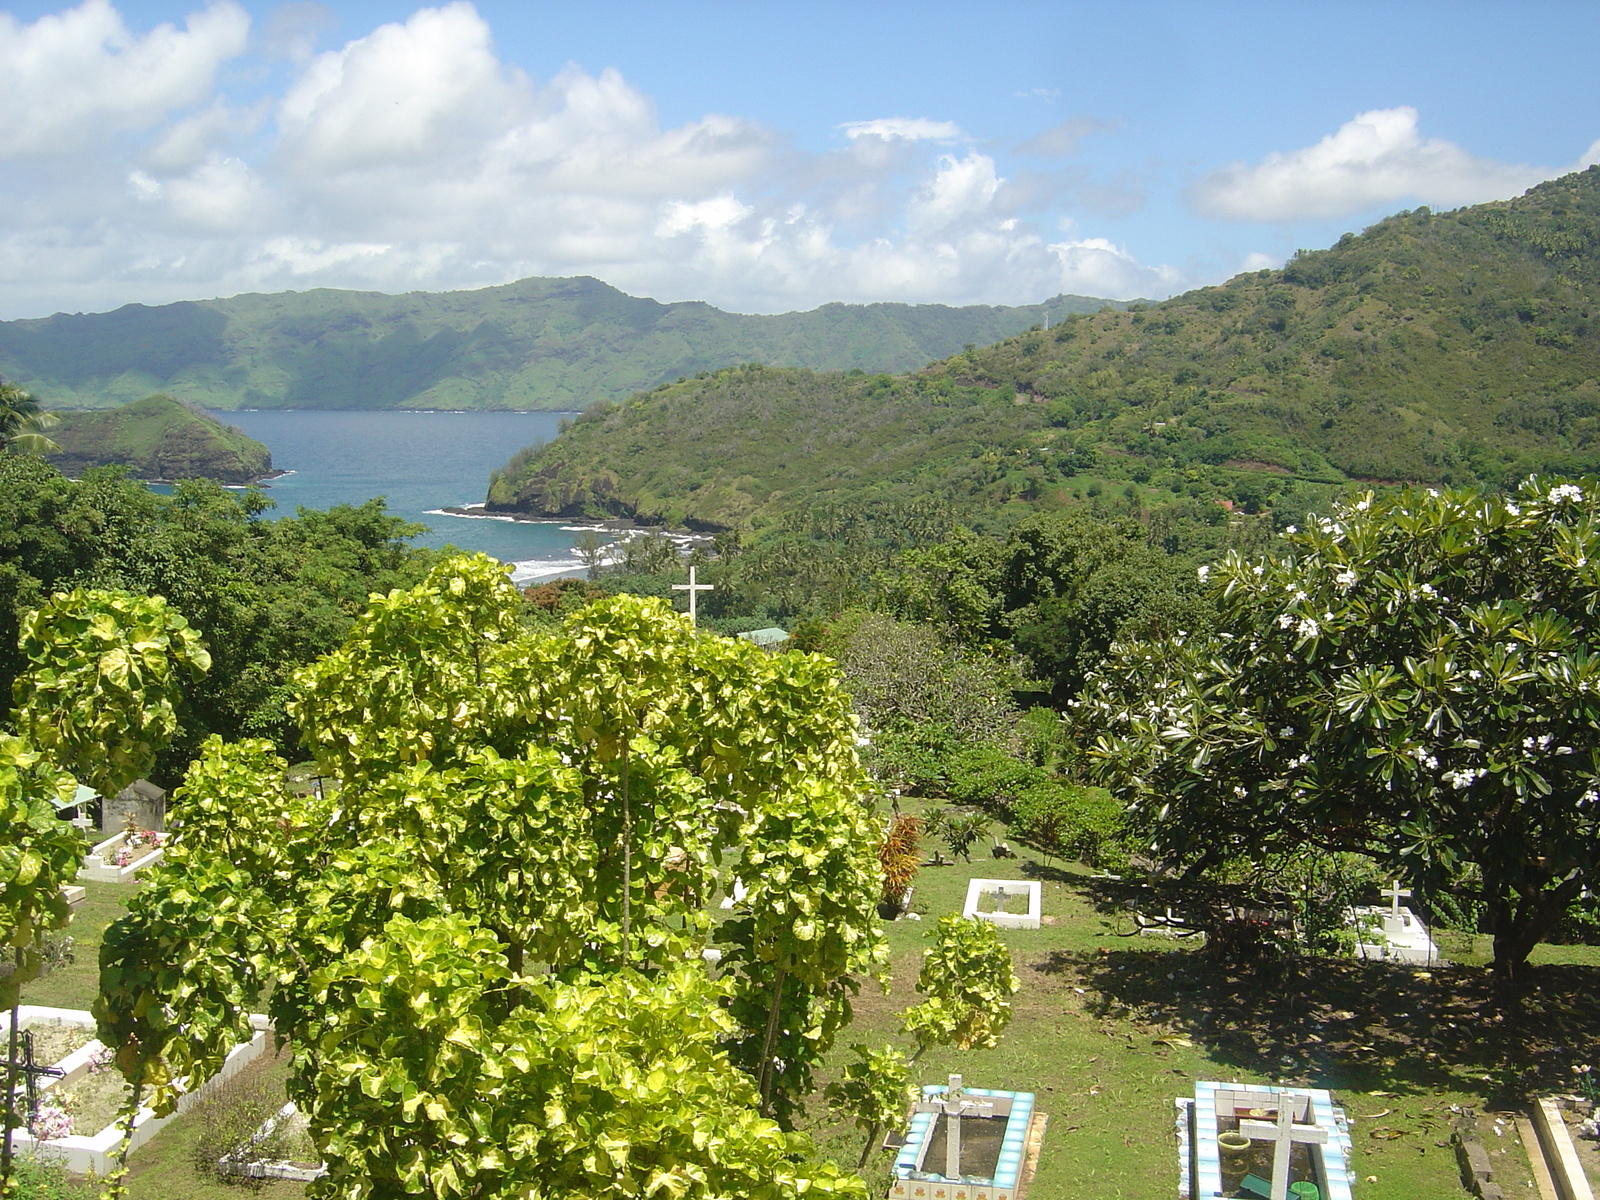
{"points": [[1028, 920], [910, 1183], [1200, 1157]]}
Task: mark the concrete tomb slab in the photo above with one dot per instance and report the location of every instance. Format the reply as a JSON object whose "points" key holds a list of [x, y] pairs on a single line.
{"points": [[996, 895]]}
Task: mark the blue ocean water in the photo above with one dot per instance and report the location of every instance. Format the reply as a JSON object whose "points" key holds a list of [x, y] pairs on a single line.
{"points": [[420, 462]]}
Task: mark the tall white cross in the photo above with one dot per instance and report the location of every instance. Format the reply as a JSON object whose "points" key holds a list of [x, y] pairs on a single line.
{"points": [[1284, 1132], [954, 1106], [692, 588], [1394, 891]]}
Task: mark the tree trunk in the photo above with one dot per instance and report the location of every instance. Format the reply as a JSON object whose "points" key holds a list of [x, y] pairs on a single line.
{"points": [[627, 859], [11, 1089], [1518, 928], [866, 1151], [770, 1042]]}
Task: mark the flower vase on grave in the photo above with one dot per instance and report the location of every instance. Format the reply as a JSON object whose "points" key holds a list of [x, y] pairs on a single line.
{"points": [[1233, 1143]]}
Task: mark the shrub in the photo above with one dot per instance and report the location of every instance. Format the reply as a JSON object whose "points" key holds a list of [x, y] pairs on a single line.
{"points": [[37, 1177], [990, 778], [915, 759], [900, 856], [1069, 819], [957, 830]]}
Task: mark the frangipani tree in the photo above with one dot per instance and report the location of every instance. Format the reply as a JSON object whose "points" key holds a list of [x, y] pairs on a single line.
{"points": [[1415, 678], [485, 943]]}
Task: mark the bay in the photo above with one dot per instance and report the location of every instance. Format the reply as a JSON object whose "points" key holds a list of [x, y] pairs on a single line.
{"points": [[420, 462]]}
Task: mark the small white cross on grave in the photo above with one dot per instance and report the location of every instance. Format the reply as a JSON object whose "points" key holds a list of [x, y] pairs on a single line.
{"points": [[693, 589], [1394, 891], [954, 1106], [1284, 1132]]}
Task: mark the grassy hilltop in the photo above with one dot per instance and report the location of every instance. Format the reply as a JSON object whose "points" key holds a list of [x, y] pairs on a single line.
{"points": [[160, 439], [1446, 347], [539, 344]]}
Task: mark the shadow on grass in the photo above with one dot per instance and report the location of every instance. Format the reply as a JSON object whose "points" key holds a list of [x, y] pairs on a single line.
{"points": [[1349, 1024]]}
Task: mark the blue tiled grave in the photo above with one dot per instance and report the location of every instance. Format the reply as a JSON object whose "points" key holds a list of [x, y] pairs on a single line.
{"points": [[918, 1177], [1306, 1120]]}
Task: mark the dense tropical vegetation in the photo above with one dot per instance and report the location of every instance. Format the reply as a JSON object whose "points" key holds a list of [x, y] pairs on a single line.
{"points": [[265, 595], [1413, 678], [485, 942], [158, 438], [1453, 347]]}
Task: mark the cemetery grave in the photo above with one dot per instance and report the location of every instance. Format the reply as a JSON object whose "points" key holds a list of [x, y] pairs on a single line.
{"points": [[1264, 1142], [1393, 931], [122, 856], [965, 1144], [1010, 904], [77, 1098]]}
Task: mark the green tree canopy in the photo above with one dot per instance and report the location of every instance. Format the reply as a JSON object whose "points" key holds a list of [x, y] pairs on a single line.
{"points": [[266, 596], [485, 942], [1413, 677], [1060, 589]]}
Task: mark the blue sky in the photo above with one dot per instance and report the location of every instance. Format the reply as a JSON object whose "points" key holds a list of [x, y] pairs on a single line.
{"points": [[761, 156]]}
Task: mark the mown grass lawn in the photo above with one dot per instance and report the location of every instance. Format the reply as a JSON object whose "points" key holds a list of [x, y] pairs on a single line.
{"points": [[1109, 1030]]}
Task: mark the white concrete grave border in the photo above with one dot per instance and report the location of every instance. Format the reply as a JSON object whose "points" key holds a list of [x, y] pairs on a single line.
{"points": [[1029, 920], [100, 864], [98, 1152]]}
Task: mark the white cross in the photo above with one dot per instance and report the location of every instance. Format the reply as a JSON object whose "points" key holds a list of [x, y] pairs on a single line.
{"points": [[954, 1106], [1284, 1132], [692, 588], [1394, 891]]}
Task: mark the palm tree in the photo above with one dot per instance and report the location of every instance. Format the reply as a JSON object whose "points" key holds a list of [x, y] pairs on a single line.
{"points": [[23, 422]]}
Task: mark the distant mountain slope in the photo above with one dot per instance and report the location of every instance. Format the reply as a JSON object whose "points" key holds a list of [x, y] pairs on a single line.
{"points": [[160, 439], [546, 344], [1433, 347]]}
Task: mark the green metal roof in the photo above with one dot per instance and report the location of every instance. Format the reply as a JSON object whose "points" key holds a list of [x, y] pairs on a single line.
{"points": [[82, 796], [766, 637]]}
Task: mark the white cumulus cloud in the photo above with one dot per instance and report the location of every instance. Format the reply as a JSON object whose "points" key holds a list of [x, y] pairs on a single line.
{"points": [[906, 129], [415, 156], [70, 79], [1376, 158]]}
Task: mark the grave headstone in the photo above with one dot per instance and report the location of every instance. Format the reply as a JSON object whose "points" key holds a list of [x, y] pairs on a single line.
{"points": [[141, 801]]}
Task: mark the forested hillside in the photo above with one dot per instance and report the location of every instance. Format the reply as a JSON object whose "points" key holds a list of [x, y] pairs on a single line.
{"points": [[158, 438], [1435, 347], [539, 344]]}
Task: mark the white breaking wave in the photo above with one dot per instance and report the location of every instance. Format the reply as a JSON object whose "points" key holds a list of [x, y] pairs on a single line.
{"points": [[474, 516], [532, 569]]}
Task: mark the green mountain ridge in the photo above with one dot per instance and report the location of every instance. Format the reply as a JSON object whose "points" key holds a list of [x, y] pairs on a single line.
{"points": [[1434, 347], [538, 344], [159, 438]]}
